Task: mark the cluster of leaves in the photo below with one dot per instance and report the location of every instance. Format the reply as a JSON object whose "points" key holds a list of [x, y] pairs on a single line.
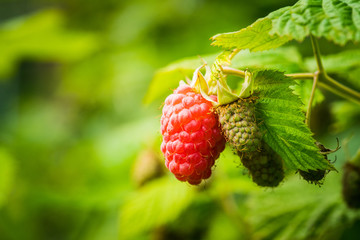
{"points": [[335, 20], [278, 107], [67, 150]]}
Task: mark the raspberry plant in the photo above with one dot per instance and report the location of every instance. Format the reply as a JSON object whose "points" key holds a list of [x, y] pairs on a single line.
{"points": [[259, 71], [268, 107]]}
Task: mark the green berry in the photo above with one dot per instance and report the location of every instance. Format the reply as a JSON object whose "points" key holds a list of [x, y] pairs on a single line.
{"points": [[316, 176], [239, 125], [265, 166], [313, 176]]}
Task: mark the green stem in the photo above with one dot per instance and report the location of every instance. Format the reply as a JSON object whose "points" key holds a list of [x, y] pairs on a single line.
{"points": [[300, 76], [337, 88], [324, 81], [316, 49], [234, 52], [240, 73], [308, 112], [233, 71]]}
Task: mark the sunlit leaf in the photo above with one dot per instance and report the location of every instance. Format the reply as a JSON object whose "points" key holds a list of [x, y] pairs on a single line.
{"points": [[336, 20], [255, 37]]}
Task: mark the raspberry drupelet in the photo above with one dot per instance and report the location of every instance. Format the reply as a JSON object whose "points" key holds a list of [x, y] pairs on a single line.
{"points": [[192, 138]]}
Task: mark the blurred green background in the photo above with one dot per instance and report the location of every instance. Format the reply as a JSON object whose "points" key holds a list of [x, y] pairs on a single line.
{"points": [[78, 148]]}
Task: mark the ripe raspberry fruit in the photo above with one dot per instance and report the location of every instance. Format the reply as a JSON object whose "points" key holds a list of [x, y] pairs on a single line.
{"points": [[239, 125], [265, 166], [192, 138]]}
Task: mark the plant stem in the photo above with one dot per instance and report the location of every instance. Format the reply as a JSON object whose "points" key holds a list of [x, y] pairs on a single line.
{"points": [[316, 50], [301, 76], [234, 52], [337, 88], [324, 81], [233, 71], [308, 112]]}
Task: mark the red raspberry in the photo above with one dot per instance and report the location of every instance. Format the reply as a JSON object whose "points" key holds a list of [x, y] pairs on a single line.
{"points": [[192, 138]]}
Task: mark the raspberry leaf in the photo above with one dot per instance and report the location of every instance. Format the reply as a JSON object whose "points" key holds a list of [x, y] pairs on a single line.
{"points": [[281, 119], [336, 20], [255, 37]]}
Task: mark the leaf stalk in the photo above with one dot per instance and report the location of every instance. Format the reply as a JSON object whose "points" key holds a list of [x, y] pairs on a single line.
{"points": [[308, 112], [317, 54]]}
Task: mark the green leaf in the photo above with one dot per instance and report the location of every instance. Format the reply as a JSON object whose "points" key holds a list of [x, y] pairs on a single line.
{"points": [[255, 37], [335, 20], [282, 121], [158, 203]]}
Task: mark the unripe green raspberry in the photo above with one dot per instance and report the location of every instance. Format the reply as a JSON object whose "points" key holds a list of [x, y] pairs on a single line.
{"points": [[313, 176], [239, 125], [265, 166], [316, 176]]}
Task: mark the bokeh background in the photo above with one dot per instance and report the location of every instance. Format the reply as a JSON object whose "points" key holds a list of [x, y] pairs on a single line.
{"points": [[79, 150]]}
